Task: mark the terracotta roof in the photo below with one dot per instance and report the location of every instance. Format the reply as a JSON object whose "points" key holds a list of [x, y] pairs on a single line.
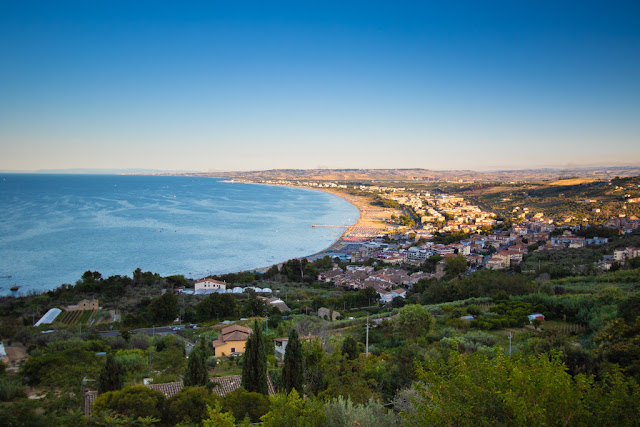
{"points": [[212, 281], [217, 343], [234, 382], [235, 336], [168, 389], [233, 328]]}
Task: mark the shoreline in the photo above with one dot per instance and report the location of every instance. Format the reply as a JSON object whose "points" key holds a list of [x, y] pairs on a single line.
{"points": [[368, 224]]}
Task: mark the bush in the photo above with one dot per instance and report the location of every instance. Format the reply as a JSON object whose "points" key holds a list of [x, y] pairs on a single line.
{"points": [[342, 412], [190, 405], [135, 401], [10, 389]]}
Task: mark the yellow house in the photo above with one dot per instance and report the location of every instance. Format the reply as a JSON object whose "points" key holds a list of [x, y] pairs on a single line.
{"points": [[232, 339]]}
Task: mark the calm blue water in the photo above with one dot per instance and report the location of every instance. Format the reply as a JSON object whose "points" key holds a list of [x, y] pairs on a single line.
{"points": [[55, 227]]}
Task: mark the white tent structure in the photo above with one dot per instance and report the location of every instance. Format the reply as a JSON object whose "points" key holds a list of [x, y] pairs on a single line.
{"points": [[49, 317]]}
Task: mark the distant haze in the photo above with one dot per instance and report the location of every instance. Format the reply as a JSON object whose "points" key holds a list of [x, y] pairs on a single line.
{"points": [[239, 86]]}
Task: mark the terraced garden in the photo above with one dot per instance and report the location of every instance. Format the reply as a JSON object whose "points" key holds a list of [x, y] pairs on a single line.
{"points": [[77, 317]]}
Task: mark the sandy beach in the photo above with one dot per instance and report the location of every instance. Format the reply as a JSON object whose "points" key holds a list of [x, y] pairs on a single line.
{"points": [[373, 220]]}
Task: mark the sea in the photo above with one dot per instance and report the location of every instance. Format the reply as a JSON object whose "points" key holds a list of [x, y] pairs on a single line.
{"points": [[53, 228]]}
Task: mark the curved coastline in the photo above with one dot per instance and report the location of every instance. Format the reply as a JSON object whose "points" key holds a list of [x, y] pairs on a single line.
{"points": [[362, 218]]}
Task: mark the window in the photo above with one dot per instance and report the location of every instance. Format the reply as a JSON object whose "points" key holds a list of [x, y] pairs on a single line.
{"points": [[233, 350]]}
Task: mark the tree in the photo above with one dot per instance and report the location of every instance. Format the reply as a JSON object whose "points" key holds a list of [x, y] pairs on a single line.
{"points": [[216, 306], [476, 389], [254, 367], [348, 378], [190, 405], [136, 401], [536, 323], [164, 308], [349, 347], [291, 410], [242, 403], [293, 370], [455, 266], [217, 418], [197, 373], [314, 366], [413, 321], [111, 376]]}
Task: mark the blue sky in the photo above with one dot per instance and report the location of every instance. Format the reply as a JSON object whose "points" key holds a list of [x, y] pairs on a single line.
{"points": [[243, 85]]}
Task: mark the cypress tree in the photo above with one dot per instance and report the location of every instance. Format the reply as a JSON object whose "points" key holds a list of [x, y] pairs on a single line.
{"points": [[111, 376], [293, 370], [197, 373], [350, 347], [254, 367]]}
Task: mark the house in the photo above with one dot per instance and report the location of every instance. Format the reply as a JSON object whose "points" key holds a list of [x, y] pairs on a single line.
{"points": [[385, 296], [83, 305], [277, 303], [398, 293], [329, 276], [325, 313], [538, 316], [231, 339], [280, 345], [207, 284]]}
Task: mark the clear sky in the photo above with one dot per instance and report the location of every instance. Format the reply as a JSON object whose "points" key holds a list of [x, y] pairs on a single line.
{"points": [[245, 85]]}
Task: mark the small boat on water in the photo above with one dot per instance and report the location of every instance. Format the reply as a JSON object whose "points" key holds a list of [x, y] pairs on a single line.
{"points": [[15, 288]]}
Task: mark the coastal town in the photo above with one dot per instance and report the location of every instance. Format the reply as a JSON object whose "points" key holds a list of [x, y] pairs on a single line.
{"points": [[402, 233], [422, 272]]}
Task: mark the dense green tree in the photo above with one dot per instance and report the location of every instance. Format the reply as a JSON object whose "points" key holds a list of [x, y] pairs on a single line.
{"points": [[252, 306], [293, 411], [164, 309], [111, 376], [197, 373], [629, 308], [347, 378], [242, 403], [135, 401], [349, 347], [476, 389], [217, 418], [619, 343], [413, 320], [314, 366], [190, 405], [455, 266], [254, 366], [216, 306], [293, 370]]}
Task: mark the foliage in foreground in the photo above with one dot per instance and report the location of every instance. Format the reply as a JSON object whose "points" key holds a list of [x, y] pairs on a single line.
{"points": [[516, 391]]}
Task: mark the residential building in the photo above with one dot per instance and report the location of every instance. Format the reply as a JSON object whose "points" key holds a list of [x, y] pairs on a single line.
{"points": [[208, 284], [231, 339], [280, 346]]}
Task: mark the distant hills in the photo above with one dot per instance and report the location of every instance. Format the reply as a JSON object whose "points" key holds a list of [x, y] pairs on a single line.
{"points": [[598, 173]]}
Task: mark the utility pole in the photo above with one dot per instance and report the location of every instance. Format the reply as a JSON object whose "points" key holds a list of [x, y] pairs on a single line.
{"points": [[267, 323], [509, 343], [367, 346]]}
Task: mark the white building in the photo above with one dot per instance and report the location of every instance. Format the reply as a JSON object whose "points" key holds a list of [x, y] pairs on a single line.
{"points": [[209, 285]]}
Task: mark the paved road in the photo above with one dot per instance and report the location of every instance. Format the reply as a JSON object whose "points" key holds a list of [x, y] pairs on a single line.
{"points": [[159, 330]]}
